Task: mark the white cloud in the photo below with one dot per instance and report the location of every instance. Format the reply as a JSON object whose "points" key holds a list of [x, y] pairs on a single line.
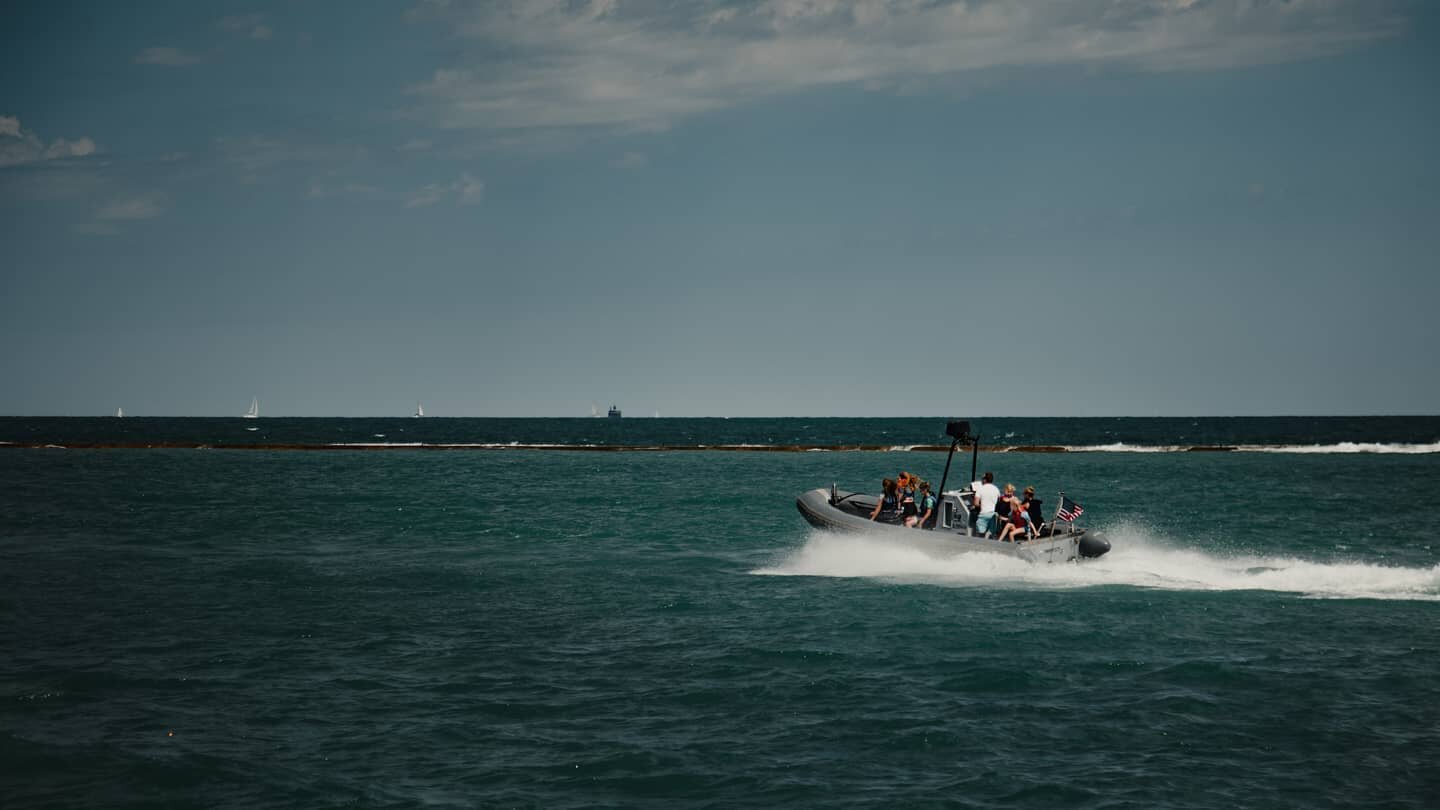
{"points": [[143, 206], [425, 197], [112, 215], [631, 160], [19, 146], [319, 190], [95, 229], [169, 57], [253, 26], [256, 158], [466, 190], [641, 64]]}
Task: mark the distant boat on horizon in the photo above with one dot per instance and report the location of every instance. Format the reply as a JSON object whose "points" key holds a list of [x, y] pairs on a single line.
{"points": [[254, 412], [614, 412], [419, 411], [119, 412]]}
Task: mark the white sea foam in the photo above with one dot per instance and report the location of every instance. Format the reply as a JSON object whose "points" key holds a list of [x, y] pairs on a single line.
{"points": [[1342, 447], [1345, 447], [1136, 560], [1121, 447]]}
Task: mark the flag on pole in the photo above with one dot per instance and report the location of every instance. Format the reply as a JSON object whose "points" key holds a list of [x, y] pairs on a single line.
{"points": [[1069, 510]]}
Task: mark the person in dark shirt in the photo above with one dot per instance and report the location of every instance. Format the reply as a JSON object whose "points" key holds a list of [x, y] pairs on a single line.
{"points": [[1033, 511], [888, 509], [926, 505]]}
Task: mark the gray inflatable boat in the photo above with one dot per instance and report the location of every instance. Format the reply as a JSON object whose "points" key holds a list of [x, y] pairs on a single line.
{"points": [[952, 528]]}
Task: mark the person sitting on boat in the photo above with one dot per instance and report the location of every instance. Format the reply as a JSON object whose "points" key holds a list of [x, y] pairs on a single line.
{"points": [[888, 509], [987, 496], [906, 491], [1033, 511], [1002, 507], [1013, 527], [927, 507]]}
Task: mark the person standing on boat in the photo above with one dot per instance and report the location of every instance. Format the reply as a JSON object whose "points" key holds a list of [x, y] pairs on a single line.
{"points": [[987, 495], [888, 509]]}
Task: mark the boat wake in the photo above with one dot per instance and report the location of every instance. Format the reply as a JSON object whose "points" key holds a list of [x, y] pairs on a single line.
{"points": [[1136, 560]]}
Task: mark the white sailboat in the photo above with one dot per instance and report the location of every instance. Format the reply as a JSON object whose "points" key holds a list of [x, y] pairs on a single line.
{"points": [[254, 412], [119, 412], [419, 411]]}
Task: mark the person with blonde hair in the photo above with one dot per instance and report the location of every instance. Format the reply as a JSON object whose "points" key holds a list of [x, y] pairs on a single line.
{"points": [[1012, 515], [906, 490]]}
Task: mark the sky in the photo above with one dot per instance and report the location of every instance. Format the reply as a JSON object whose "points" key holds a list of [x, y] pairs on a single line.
{"points": [[760, 208]]}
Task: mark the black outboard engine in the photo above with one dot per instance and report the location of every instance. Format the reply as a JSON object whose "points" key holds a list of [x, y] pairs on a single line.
{"points": [[1093, 545]]}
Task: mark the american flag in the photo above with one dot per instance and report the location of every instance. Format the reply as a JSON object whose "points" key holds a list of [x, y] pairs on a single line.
{"points": [[1069, 510]]}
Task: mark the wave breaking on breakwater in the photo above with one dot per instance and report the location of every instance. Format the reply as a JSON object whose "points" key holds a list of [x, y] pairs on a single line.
{"points": [[1340, 447], [1118, 447], [1136, 561]]}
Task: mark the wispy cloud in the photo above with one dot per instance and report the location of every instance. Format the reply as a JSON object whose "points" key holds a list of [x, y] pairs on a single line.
{"points": [[95, 229], [466, 190], [19, 146], [534, 64], [143, 206], [631, 160], [121, 210], [257, 157], [253, 26], [166, 56]]}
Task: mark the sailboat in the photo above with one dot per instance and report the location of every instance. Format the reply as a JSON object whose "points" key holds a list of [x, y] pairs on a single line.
{"points": [[254, 412], [119, 412], [419, 411]]}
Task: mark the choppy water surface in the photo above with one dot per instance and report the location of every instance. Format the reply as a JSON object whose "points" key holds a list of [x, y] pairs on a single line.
{"points": [[522, 628]]}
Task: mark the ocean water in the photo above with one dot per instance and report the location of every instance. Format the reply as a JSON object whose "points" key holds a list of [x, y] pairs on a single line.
{"points": [[514, 626]]}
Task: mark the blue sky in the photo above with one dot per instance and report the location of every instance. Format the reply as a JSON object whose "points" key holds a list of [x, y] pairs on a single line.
{"points": [[779, 207]]}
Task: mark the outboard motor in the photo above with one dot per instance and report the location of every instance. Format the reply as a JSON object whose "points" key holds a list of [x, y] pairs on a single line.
{"points": [[1093, 545]]}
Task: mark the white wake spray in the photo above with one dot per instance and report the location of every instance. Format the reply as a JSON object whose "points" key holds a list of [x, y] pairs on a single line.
{"points": [[1137, 560]]}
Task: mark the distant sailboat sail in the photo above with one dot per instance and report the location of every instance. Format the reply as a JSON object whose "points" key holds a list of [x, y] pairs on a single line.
{"points": [[119, 412], [419, 411], [254, 412]]}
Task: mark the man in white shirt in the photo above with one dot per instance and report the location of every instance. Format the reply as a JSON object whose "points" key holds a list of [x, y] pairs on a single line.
{"points": [[986, 496]]}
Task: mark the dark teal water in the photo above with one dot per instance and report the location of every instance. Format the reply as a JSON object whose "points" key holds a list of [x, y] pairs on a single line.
{"points": [[522, 628]]}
